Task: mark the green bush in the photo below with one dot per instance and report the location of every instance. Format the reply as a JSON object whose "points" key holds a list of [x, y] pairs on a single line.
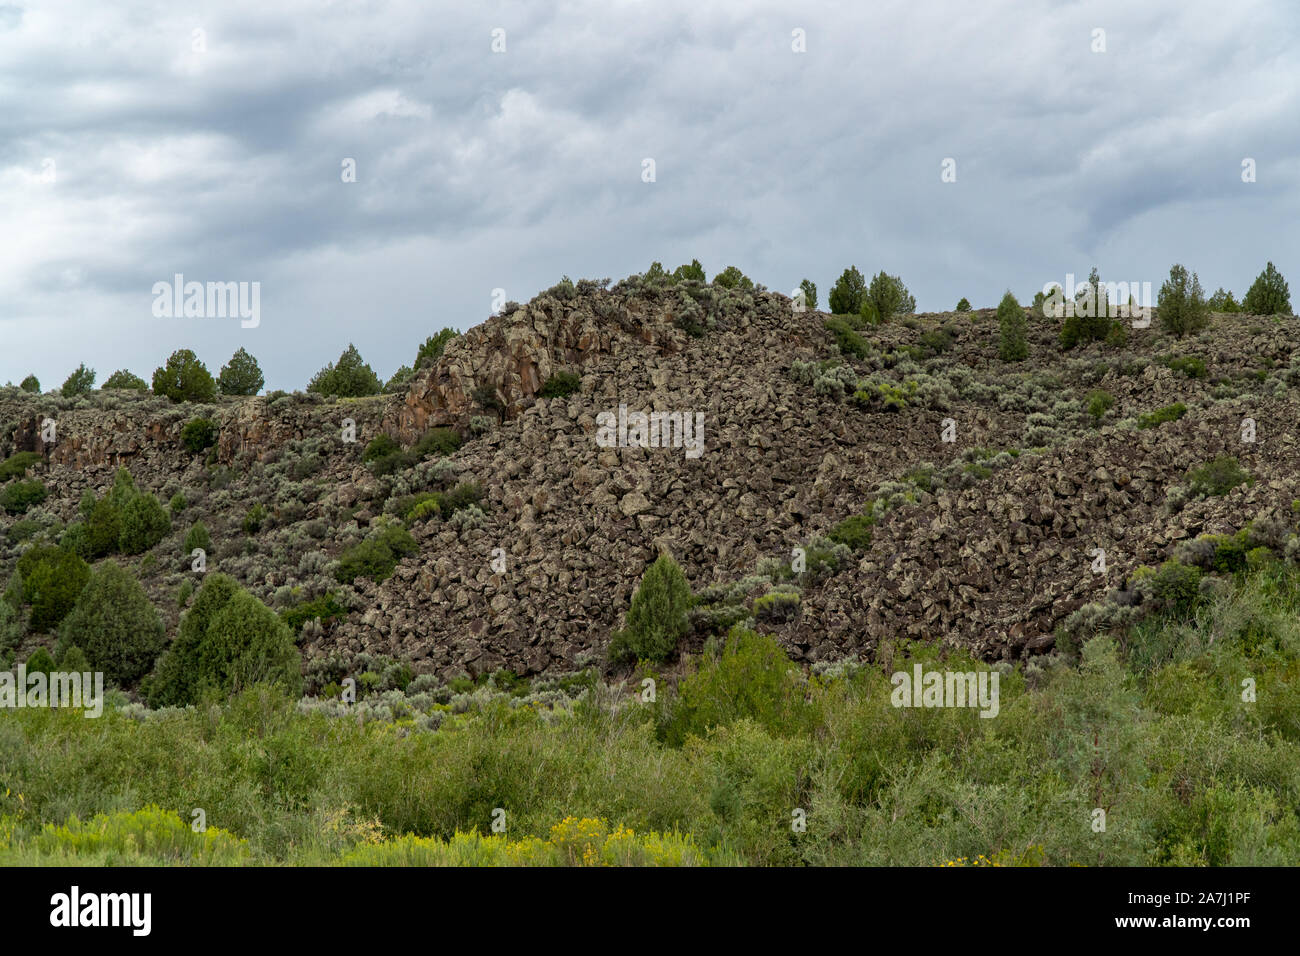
{"points": [[184, 379], [809, 289], [437, 441], [227, 641], [1181, 305], [40, 662], [326, 607], [197, 537], [376, 556], [80, 382], [732, 278], [350, 377], [254, 518], [1193, 366], [963, 305], [850, 342], [1099, 403], [1217, 477], [199, 434], [658, 617], [1177, 586], [1169, 413], [115, 626], [561, 384], [125, 380], [1268, 294], [689, 273], [144, 523], [52, 578], [241, 375], [1223, 301], [848, 293], [854, 532], [30, 384], [177, 504], [17, 497], [15, 466], [1013, 341], [433, 347], [21, 531], [380, 446], [889, 297]]}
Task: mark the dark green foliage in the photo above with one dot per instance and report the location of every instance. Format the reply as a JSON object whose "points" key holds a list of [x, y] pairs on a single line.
{"points": [[733, 278], [658, 617], [254, 518], [656, 274], [855, 532], [1181, 305], [1193, 366], [1217, 477], [561, 384], [1177, 586], [17, 497], [52, 578], [400, 381], [241, 375], [114, 624], [350, 377], [30, 384], [1268, 294], [433, 347], [1099, 403], [20, 531], [694, 272], [376, 556], [16, 466], [486, 397], [848, 293], [937, 341], [1170, 413], [443, 504], [40, 662], [809, 289], [144, 523], [1013, 330], [850, 342], [889, 297], [324, 608], [380, 446], [184, 379], [437, 441], [227, 641], [197, 537], [73, 660], [80, 382], [199, 434], [963, 305], [125, 380], [177, 504], [1223, 301]]}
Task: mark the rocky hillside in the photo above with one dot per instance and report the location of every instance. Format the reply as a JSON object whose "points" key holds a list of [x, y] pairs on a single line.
{"points": [[986, 540]]}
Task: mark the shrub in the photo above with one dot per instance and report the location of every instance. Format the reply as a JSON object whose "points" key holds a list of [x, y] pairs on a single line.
{"points": [[1222, 301], [40, 662], [17, 497], [850, 342], [376, 556], [809, 294], [848, 293], [400, 381], [1099, 403], [1193, 366], [889, 297], [379, 447], [733, 278], [115, 626], [433, 347], [80, 382], [1268, 294], [561, 384], [350, 377], [1176, 586], [125, 380], [324, 608], [689, 273], [177, 504], [227, 641], [854, 532], [16, 465], [52, 578], [1217, 477], [486, 397], [1013, 342], [254, 518], [144, 523], [20, 531], [1181, 305], [937, 341], [776, 607], [963, 305], [241, 375], [30, 384], [198, 435], [1170, 413], [198, 537], [437, 441], [184, 379], [658, 617]]}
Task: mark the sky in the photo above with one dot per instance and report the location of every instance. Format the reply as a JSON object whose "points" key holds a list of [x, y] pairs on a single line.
{"points": [[501, 146]]}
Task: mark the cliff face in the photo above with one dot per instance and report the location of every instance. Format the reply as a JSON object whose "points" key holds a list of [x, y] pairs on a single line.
{"points": [[984, 540]]}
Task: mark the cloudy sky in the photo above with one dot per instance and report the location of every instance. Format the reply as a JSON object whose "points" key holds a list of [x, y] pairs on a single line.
{"points": [[139, 140]]}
